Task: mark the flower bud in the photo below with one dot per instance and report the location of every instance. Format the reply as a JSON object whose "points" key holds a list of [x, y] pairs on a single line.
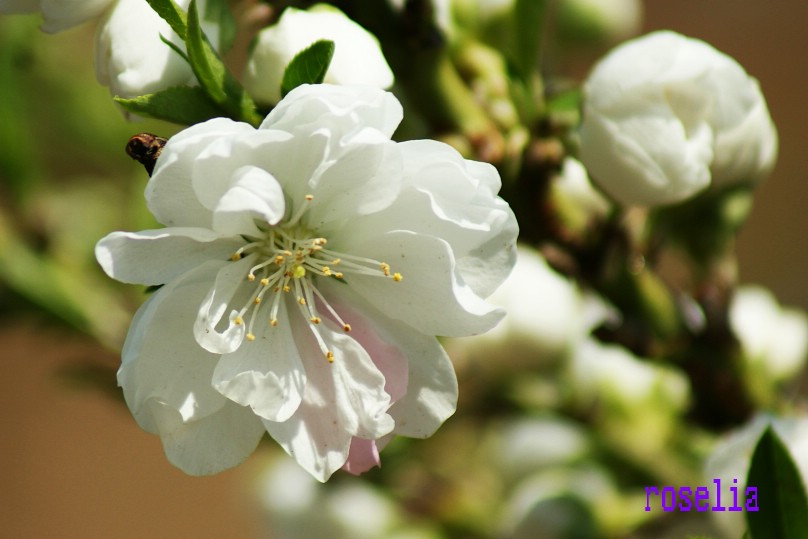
{"points": [[130, 57], [358, 59], [666, 115], [774, 340]]}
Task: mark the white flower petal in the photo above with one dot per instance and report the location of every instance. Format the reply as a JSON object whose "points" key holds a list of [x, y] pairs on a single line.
{"points": [[266, 374], [431, 297], [343, 109], [212, 444], [253, 194], [154, 257], [449, 197], [170, 194], [431, 384], [342, 399], [208, 327], [161, 361], [360, 181]]}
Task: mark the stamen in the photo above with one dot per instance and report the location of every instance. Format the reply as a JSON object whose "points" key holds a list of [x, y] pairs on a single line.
{"points": [[250, 337], [397, 277], [300, 211]]}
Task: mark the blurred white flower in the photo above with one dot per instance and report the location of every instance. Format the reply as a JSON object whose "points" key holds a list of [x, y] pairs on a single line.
{"points": [[307, 267], [357, 60], [731, 458], [297, 506], [131, 59], [574, 185], [547, 314], [58, 15], [666, 115], [528, 444], [774, 339], [612, 373]]}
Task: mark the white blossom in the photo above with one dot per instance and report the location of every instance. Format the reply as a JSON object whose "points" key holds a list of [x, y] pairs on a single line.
{"points": [[666, 116], [131, 58], [774, 340], [306, 268], [357, 60]]}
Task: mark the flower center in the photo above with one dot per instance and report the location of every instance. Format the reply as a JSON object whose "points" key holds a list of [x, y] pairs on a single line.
{"points": [[290, 257]]}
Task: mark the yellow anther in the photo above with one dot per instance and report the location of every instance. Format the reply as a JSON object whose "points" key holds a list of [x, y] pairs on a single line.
{"points": [[346, 328], [280, 259], [250, 337], [301, 301], [330, 357], [315, 319], [385, 267], [238, 321], [299, 272], [264, 281], [338, 275], [309, 197], [326, 271], [287, 288], [273, 322], [336, 261], [257, 301], [235, 257], [397, 277], [250, 277]]}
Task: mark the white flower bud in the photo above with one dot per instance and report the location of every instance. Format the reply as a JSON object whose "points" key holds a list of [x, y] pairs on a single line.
{"points": [[130, 57], [358, 58], [573, 183], [774, 340], [666, 115]]}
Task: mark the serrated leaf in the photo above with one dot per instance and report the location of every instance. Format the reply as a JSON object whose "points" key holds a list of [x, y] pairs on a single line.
{"points": [[172, 14], [217, 82], [309, 66], [783, 506], [180, 104]]}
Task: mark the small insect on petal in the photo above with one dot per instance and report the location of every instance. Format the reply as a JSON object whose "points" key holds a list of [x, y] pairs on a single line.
{"points": [[145, 148]]}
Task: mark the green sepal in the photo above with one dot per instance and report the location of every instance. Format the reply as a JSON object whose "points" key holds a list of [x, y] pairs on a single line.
{"points": [[183, 105], [309, 66], [781, 497]]}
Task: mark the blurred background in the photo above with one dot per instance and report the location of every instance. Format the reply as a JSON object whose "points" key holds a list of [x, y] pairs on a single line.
{"points": [[73, 463]]}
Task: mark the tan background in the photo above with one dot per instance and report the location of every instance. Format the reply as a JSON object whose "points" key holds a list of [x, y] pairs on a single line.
{"points": [[74, 464]]}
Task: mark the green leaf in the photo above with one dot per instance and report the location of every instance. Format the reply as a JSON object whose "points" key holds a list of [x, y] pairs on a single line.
{"points": [[783, 512], [180, 104], [308, 66], [213, 76], [172, 14]]}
